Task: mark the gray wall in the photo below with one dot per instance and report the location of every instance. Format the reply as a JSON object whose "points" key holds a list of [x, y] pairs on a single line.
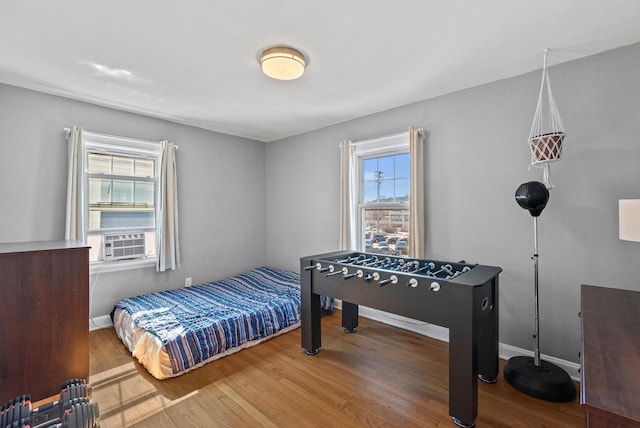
{"points": [[476, 156], [221, 183]]}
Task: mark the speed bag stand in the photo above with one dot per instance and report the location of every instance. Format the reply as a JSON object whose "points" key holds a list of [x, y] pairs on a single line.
{"points": [[531, 375]]}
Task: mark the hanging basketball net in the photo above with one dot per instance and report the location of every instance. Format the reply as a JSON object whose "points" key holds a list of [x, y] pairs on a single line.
{"points": [[545, 137]]}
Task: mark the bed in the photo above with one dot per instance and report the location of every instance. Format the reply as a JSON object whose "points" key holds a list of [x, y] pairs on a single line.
{"points": [[172, 332]]}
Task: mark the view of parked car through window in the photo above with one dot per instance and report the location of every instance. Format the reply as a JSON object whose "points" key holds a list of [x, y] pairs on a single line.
{"points": [[387, 231]]}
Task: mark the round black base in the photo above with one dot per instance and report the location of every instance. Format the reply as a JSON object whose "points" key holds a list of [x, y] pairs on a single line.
{"points": [[546, 381], [350, 330], [311, 352]]}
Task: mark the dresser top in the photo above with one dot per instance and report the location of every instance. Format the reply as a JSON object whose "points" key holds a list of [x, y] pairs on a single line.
{"points": [[25, 247]]}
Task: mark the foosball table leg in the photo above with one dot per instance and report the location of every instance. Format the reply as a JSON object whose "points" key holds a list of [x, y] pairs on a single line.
{"points": [[310, 313], [488, 360], [349, 317]]}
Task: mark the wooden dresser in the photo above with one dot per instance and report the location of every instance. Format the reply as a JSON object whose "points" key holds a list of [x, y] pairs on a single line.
{"points": [[44, 320], [610, 387]]}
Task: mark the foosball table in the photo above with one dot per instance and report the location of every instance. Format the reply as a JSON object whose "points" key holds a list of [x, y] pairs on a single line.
{"points": [[462, 297]]}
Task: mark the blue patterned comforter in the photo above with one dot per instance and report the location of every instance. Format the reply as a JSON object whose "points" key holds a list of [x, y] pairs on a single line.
{"points": [[195, 323]]}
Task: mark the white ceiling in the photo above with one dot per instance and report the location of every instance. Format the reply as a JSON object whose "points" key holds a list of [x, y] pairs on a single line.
{"points": [[196, 61]]}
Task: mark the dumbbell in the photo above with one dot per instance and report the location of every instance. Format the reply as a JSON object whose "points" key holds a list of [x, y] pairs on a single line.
{"points": [[81, 414], [16, 412], [73, 391], [74, 409], [75, 388]]}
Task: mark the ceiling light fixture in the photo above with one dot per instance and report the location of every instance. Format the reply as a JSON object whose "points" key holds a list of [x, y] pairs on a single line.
{"points": [[282, 63]]}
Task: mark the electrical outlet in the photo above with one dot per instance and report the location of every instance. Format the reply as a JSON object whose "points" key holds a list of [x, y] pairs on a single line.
{"points": [[187, 282]]}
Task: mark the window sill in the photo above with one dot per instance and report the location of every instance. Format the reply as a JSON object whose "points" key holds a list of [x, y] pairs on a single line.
{"points": [[122, 265]]}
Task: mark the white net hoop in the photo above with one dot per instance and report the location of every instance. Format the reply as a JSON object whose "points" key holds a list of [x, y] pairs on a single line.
{"points": [[546, 136]]}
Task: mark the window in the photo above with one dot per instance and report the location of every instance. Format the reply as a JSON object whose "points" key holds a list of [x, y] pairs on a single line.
{"points": [[121, 193], [383, 194]]}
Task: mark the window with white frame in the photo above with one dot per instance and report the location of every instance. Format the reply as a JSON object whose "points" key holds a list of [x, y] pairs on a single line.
{"points": [[120, 193], [383, 194]]}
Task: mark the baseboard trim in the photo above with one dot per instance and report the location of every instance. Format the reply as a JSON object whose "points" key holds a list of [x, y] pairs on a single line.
{"points": [[103, 321], [441, 333]]}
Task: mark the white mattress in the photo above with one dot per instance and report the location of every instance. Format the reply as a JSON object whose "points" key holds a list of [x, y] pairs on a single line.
{"points": [[150, 352]]}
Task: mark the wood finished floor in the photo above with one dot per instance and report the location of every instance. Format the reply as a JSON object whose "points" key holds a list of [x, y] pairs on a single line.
{"points": [[379, 377]]}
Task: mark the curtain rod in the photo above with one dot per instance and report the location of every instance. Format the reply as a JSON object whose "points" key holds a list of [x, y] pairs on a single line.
{"points": [[99, 134]]}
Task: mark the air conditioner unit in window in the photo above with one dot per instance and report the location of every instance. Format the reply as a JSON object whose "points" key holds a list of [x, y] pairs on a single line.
{"points": [[123, 246]]}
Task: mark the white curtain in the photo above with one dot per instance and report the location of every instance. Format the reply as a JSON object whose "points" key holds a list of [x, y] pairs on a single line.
{"points": [[74, 222], [167, 237], [416, 194], [348, 203]]}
